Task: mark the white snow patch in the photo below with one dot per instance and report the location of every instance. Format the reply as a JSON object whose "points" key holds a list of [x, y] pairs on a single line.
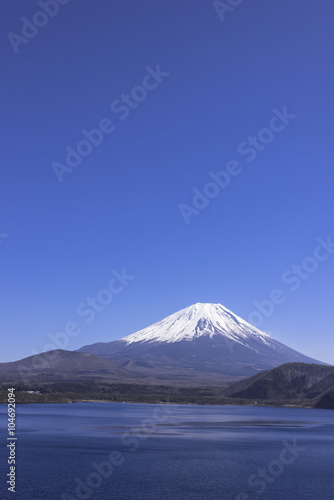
{"points": [[196, 321]]}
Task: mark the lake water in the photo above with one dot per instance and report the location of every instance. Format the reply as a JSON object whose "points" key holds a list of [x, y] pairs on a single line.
{"points": [[120, 451]]}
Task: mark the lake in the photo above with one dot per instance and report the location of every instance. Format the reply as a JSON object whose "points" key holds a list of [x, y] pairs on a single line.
{"points": [[103, 451]]}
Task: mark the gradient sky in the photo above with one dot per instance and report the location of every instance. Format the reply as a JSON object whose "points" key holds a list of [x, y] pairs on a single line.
{"points": [[60, 241]]}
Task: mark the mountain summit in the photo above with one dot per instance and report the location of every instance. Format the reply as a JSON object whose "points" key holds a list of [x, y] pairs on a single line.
{"points": [[201, 344], [199, 320]]}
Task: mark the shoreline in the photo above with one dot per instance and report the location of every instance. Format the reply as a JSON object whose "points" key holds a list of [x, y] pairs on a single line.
{"points": [[248, 404]]}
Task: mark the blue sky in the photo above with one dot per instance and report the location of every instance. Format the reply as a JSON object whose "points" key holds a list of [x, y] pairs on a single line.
{"points": [[61, 242]]}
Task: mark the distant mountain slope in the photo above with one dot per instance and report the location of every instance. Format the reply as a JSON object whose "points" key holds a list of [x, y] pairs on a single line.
{"points": [[58, 365], [290, 381], [201, 344]]}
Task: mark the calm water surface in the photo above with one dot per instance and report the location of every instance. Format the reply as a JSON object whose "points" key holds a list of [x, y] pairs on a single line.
{"points": [[103, 451]]}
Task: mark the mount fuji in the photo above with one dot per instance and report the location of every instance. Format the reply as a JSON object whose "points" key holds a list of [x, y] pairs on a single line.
{"points": [[204, 344]]}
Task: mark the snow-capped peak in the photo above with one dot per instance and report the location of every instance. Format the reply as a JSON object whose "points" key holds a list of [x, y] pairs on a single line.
{"points": [[196, 321]]}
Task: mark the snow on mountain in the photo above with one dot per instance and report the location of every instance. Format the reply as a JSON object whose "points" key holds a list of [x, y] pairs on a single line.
{"points": [[196, 321], [201, 344]]}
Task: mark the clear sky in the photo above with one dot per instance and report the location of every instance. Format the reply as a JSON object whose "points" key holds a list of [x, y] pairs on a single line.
{"points": [[180, 91]]}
